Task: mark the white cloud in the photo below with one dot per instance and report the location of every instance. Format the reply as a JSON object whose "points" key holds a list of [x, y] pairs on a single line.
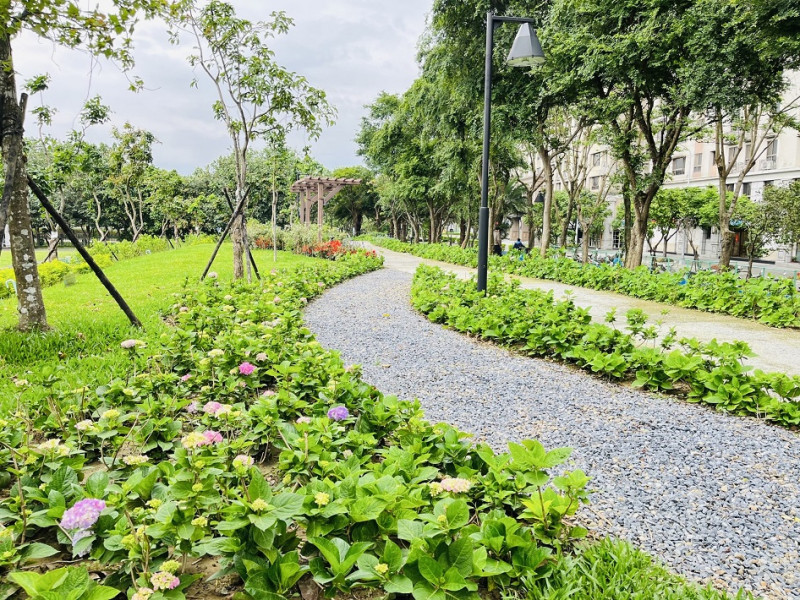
{"points": [[352, 49]]}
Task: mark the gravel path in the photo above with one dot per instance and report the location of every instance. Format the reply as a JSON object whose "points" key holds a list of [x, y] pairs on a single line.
{"points": [[716, 497]]}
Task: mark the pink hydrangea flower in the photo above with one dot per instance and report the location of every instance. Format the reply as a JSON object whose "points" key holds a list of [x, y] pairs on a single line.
{"points": [[186, 377], [212, 437], [267, 393], [128, 344], [163, 580], [302, 420], [211, 408], [246, 368], [261, 356], [193, 407]]}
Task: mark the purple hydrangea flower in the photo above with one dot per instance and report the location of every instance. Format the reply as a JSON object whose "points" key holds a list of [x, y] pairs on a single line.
{"points": [[338, 413], [83, 514]]}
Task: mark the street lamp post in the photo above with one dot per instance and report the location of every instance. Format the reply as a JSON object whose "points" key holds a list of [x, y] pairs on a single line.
{"points": [[525, 52]]}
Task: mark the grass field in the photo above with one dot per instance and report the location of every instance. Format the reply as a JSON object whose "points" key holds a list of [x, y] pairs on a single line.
{"points": [[87, 325], [41, 253]]}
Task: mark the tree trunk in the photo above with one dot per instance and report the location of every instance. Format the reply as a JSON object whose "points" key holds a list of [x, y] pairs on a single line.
{"points": [[562, 238], [52, 246], [628, 226], [638, 235], [359, 221], [237, 236], [30, 305], [585, 243], [725, 233], [548, 199]]}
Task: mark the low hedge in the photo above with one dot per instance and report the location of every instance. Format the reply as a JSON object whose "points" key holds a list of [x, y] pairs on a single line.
{"points": [[534, 323], [772, 301]]}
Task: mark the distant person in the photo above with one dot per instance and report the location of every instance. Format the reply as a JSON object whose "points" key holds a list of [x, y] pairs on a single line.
{"points": [[518, 245]]}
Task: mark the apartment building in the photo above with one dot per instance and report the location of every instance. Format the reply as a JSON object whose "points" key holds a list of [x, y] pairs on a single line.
{"points": [[693, 165]]}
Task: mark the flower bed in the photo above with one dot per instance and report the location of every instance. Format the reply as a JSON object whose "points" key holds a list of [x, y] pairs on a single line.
{"points": [[772, 301], [236, 436], [532, 322]]}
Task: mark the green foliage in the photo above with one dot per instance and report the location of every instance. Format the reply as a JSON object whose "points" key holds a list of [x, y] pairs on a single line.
{"points": [[613, 569], [386, 499], [67, 582], [532, 322], [772, 301]]}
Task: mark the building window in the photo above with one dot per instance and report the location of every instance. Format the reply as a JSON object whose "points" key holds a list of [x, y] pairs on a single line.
{"points": [[698, 162], [772, 151], [595, 183], [707, 233], [729, 187], [597, 158], [731, 154], [617, 239], [679, 165], [746, 189], [768, 183]]}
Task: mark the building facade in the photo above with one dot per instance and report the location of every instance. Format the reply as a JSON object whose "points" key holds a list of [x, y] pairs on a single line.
{"points": [[694, 165]]}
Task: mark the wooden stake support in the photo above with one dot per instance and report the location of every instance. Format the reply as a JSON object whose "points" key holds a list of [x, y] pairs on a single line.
{"points": [[84, 253]]}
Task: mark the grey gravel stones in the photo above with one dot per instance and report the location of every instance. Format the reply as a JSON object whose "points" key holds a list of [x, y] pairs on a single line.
{"points": [[716, 497]]}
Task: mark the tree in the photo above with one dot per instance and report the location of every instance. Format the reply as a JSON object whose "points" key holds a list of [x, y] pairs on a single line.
{"points": [[129, 162], [740, 60], [786, 203], [592, 210], [107, 33], [761, 222], [353, 202], [630, 63], [256, 97]]}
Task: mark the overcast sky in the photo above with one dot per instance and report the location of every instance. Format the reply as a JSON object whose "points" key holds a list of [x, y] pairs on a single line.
{"points": [[352, 49]]}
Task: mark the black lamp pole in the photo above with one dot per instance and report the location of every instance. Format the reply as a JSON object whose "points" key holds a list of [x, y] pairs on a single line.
{"points": [[535, 55]]}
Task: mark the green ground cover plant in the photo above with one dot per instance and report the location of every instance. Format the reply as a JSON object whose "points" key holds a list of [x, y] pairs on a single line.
{"points": [[534, 323], [230, 434], [772, 301]]}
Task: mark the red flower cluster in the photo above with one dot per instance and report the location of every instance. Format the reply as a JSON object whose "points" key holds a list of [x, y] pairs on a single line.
{"points": [[330, 249]]}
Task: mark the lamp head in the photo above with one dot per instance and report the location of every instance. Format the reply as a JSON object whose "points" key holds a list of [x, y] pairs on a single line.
{"points": [[526, 50]]}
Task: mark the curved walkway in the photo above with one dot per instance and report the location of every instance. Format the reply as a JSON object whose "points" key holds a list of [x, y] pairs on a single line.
{"points": [[776, 349], [715, 496]]}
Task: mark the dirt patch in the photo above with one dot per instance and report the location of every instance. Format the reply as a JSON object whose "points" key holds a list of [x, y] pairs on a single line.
{"points": [[223, 588]]}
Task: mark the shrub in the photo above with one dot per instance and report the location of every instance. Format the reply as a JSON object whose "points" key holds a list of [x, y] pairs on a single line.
{"points": [[532, 322], [772, 301]]}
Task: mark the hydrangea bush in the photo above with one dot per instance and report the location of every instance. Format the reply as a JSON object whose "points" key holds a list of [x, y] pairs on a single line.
{"points": [[243, 439]]}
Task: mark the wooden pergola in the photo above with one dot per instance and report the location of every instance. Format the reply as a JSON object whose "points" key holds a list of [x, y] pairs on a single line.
{"points": [[320, 190]]}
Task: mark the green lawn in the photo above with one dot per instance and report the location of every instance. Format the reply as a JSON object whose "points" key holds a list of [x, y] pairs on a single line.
{"points": [[88, 325], [41, 253]]}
